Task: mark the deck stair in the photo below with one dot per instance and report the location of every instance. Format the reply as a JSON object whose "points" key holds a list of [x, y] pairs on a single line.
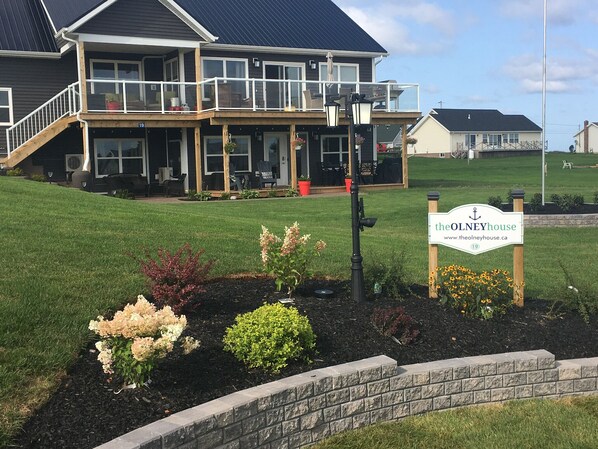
{"points": [[40, 126]]}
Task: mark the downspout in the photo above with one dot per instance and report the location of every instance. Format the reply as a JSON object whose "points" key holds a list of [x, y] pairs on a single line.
{"points": [[87, 161]]}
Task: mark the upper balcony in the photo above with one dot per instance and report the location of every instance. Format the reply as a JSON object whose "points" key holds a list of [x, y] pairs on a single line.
{"points": [[245, 95]]}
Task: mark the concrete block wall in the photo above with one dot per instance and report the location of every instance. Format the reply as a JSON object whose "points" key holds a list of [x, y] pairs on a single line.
{"points": [[561, 221], [301, 410]]}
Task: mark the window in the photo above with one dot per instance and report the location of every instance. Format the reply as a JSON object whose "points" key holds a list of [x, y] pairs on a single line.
{"points": [[226, 68], [119, 156], [213, 154], [171, 70], [6, 117], [335, 150], [113, 70], [511, 138], [494, 140], [347, 74]]}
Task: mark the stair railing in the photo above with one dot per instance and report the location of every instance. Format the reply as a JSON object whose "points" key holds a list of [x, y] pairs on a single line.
{"points": [[65, 103]]}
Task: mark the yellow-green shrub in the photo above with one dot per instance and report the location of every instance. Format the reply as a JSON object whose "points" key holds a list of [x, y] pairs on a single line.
{"points": [[269, 337]]}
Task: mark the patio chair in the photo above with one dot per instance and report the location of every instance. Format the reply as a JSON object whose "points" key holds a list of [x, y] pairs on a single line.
{"points": [[175, 186], [367, 171], [568, 165], [266, 174], [311, 102], [236, 181]]}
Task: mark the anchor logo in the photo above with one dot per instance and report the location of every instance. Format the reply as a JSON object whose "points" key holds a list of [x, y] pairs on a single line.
{"points": [[475, 215]]}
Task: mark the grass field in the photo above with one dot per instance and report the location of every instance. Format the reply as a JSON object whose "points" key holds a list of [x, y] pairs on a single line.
{"points": [[65, 253]]}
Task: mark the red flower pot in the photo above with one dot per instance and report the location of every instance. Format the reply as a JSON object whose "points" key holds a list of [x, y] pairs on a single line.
{"points": [[348, 184], [304, 188]]}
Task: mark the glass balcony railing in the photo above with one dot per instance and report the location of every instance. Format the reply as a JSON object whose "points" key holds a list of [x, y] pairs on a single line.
{"points": [[249, 94]]}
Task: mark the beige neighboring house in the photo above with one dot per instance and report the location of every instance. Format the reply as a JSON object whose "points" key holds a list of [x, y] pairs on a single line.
{"points": [[586, 140], [485, 132]]}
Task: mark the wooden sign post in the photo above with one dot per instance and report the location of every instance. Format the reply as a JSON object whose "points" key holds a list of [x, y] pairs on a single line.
{"points": [[476, 228], [433, 198]]}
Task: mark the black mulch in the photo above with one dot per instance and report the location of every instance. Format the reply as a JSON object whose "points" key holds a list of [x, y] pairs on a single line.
{"points": [[85, 412]]}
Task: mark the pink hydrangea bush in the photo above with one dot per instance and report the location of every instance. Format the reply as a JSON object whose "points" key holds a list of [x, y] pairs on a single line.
{"points": [[287, 259], [133, 342]]}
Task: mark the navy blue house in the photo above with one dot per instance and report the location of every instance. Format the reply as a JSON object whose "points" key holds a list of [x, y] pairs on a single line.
{"points": [[156, 88]]}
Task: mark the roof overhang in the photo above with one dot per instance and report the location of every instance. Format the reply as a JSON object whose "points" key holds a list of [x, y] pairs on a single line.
{"points": [[135, 41], [295, 51], [29, 54]]}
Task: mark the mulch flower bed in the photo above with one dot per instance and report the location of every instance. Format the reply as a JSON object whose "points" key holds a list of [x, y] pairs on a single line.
{"points": [[85, 411]]}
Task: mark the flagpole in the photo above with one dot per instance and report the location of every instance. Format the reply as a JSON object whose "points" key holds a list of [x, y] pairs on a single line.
{"points": [[543, 143]]}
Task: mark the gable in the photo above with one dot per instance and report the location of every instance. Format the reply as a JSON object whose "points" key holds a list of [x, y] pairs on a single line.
{"points": [[64, 12], [139, 18]]}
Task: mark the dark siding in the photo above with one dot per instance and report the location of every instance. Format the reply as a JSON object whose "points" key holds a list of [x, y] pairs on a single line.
{"points": [[52, 155], [65, 12], [31, 84], [365, 64], [139, 18]]}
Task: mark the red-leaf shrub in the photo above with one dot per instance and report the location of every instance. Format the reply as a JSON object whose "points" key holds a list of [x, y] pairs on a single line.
{"points": [[394, 322], [177, 280]]}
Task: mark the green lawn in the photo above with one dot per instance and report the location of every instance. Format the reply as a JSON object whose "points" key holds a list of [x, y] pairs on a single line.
{"points": [[564, 424], [65, 257]]}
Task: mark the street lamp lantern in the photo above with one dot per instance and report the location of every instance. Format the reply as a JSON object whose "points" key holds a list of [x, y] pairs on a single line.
{"points": [[360, 113], [362, 110], [332, 111]]}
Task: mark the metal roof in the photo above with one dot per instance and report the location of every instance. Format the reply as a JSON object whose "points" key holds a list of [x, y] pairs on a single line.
{"points": [[309, 24], [480, 120], [300, 24], [24, 27], [65, 12]]}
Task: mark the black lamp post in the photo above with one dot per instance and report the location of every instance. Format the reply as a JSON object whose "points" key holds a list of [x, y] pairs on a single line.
{"points": [[360, 113]]}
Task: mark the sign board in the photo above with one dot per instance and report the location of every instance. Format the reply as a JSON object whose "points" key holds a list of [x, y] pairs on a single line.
{"points": [[475, 228]]}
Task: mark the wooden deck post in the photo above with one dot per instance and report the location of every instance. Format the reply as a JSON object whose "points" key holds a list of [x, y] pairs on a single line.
{"points": [[82, 75], [198, 161], [433, 198], [518, 279], [293, 154], [225, 159]]}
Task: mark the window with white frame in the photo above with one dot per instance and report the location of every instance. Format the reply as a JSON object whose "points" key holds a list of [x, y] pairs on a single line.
{"points": [[213, 158], [6, 117], [494, 140], [114, 70], [347, 74], [119, 156], [511, 138], [225, 68], [335, 150], [171, 70]]}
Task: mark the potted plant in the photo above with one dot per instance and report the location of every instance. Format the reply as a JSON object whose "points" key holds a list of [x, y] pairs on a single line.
{"points": [[359, 139], [304, 185], [229, 147], [298, 143], [348, 183]]}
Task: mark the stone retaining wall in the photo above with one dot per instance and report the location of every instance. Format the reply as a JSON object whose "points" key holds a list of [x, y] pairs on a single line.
{"points": [[306, 408], [561, 221]]}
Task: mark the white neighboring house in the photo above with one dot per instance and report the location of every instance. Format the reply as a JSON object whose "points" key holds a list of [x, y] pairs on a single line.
{"points": [[586, 140], [487, 132]]}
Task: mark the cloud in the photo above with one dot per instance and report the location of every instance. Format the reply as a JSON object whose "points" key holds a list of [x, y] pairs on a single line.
{"points": [[562, 75], [559, 12], [404, 28]]}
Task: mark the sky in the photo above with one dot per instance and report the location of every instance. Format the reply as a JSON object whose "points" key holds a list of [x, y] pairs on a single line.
{"points": [[488, 54]]}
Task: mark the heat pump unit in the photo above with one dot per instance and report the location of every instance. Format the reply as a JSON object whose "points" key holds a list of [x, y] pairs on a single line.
{"points": [[73, 162], [164, 173]]}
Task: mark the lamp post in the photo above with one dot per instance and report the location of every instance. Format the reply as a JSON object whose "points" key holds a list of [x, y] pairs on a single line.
{"points": [[359, 113]]}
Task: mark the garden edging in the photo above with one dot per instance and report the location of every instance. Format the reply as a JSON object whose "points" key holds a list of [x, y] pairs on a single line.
{"points": [[561, 221], [303, 409]]}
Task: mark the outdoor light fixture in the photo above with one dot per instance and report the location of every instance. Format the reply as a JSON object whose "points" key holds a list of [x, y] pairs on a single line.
{"points": [[256, 62], [50, 174], [359, 114], [312, 64]]}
